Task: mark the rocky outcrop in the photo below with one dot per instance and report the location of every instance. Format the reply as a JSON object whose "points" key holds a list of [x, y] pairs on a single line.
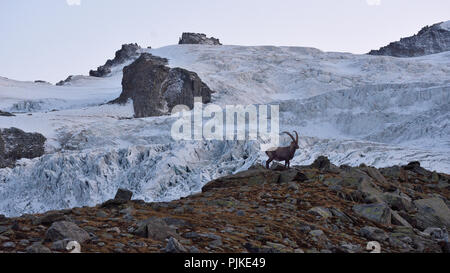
{"points": [[42, 82], [16, 144], [429, 40], [305, 209], [198, 39], [128, 52], [66, 81], [155, 88], [6, 114]]}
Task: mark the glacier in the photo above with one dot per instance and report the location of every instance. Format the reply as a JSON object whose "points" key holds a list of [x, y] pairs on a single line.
{"points": [[376, 110]]}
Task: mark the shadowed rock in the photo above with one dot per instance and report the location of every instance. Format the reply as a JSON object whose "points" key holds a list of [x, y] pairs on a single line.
{"points": [[38, 248], [6, 114], [16, 144], [122, 196]]}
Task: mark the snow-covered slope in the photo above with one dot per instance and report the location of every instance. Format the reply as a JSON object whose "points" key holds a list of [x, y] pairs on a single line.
{"points": [[355, 109], [25, 97]]}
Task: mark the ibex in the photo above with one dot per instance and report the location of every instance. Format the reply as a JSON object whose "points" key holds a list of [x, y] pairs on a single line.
{"points": [[283, 153]]}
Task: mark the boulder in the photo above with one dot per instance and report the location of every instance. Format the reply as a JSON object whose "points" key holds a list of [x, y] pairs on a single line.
{"points": [[155, 88], [375, 174], [378, 212], [197, 38], [66, 230], [321, 212], [398, 201], [123, 195], [322, 163], [289, 175], [155, 228], [432, 212], [173, 246], [415, 167], [373, 233], [60, 245], [38, 248], [16, 144]]}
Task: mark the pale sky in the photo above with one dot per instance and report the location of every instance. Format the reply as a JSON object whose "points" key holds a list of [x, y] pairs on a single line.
{"points": [[51, 39]]}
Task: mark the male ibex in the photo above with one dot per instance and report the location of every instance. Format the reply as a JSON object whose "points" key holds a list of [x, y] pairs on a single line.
{"points": [[283, 153]]}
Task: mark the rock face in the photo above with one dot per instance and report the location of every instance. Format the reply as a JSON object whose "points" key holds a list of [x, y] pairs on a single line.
{"points": [[155, 88], [126, 53], [16, 144], [197, 38], [429, 40]]}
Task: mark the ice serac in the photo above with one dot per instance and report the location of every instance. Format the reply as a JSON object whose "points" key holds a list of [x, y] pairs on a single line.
{"points": [[430, 40], [16, 144], [126, 53], [197, 38], [156, 88]]}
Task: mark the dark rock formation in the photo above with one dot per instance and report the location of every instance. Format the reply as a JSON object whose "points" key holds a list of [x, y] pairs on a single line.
{"points": [[197, 38], [64, 82], [429, 40], [155, 88], [16, 144], [41, 81], [126, 53], [6, 114], [123, 195]]}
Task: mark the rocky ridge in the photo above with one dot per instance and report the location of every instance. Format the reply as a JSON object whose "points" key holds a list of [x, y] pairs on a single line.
{"points": [[317, 208], [429, 40]]}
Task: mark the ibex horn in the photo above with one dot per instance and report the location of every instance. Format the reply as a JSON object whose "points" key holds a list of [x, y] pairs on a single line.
{"points": [[293, 139]]}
